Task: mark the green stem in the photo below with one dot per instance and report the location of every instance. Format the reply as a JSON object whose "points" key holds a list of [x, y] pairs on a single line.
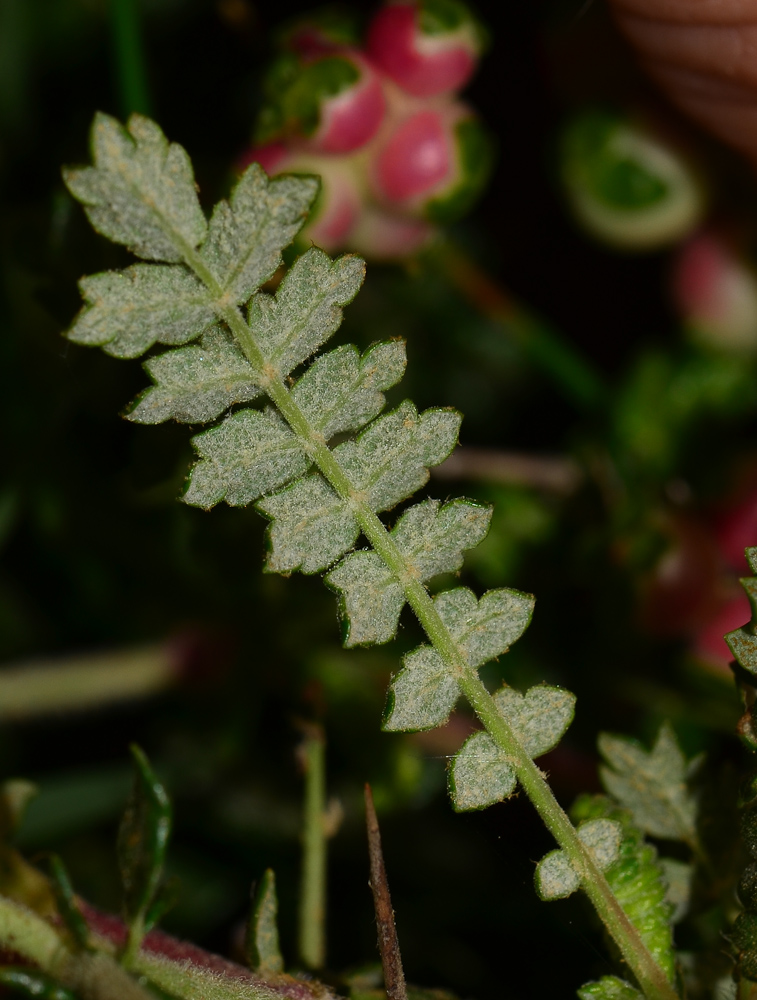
{"points": [[649, 975], [549, 350], [312, 941], [131, 71]]}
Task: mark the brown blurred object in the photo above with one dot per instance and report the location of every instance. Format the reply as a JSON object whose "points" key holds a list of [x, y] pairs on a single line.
{"points": [[703, 53]]}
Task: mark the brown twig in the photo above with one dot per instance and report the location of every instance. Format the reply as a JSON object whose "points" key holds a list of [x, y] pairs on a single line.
{"points": [[389, 947], [553, 473]]}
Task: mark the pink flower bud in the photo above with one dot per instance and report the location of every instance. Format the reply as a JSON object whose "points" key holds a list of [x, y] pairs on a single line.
{"points": [[351, 117], [330, 102], [715, 291], [434, 162], [428, 47], [270, 157]]}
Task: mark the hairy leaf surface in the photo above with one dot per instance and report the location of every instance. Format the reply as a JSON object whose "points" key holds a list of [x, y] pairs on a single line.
{"points": [[487, 628], [262, 940], [609, 988], [555, 876], [248, 232], [311, 527], [651, 784], [418, 698], [422, 695], [432, 538], [742, 641], [341, 391], [389, 461], [481, 773], [141, 190], [307, 308], [128, 311], [195, 384], [636, 879], [250, 453]]}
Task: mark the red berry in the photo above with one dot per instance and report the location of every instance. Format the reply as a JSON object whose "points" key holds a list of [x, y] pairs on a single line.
{"points": [[428, 47], [384, 236], [735, 529], [351, 117]]}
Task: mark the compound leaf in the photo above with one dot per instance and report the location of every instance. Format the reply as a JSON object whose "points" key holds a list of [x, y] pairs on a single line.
{"points": [[141, 190], [481, 773], [636, 879], [432, 538], [389, 461], [341, 391], [651, 784], [250, 453], [311, 527], [128, 311], [555, 876], [195, 384], [248, 232], [143, 839], [307, 308], [422, 695], [609, 988]]}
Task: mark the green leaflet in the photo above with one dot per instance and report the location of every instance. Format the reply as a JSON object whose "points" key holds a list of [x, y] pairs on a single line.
{"points": [[248, 232], [556, 878], [341, 391], [481, 774], [651, 784], [306, 309], [128, 311], [195, 384], [609, 988], [636, 879], [65, 902], [423, 693], [141, 191], [250, 453], [262, 938], [678, 876], [312, 526], [742, 641], [432, 537]]}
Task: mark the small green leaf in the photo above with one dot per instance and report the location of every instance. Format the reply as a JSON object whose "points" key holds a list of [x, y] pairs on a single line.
{"points": [[487, 628], [15, 796], [262, 940], [742, 641], [422, 695], [481, 774], [143, 839], [341, 390], [25, 982], [65, 902], [195, 384], [250, 453], [636, 879], [555, 876], [678, 876], [307, 308], [311, 527], [141, 190], [128, 311], [432, 538], [389, 461], [651, 784], [165, 898], [609, 988], [247, 233]]}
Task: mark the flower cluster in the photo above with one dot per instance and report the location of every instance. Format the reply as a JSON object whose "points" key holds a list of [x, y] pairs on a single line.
{"points": [[381, 123]]}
